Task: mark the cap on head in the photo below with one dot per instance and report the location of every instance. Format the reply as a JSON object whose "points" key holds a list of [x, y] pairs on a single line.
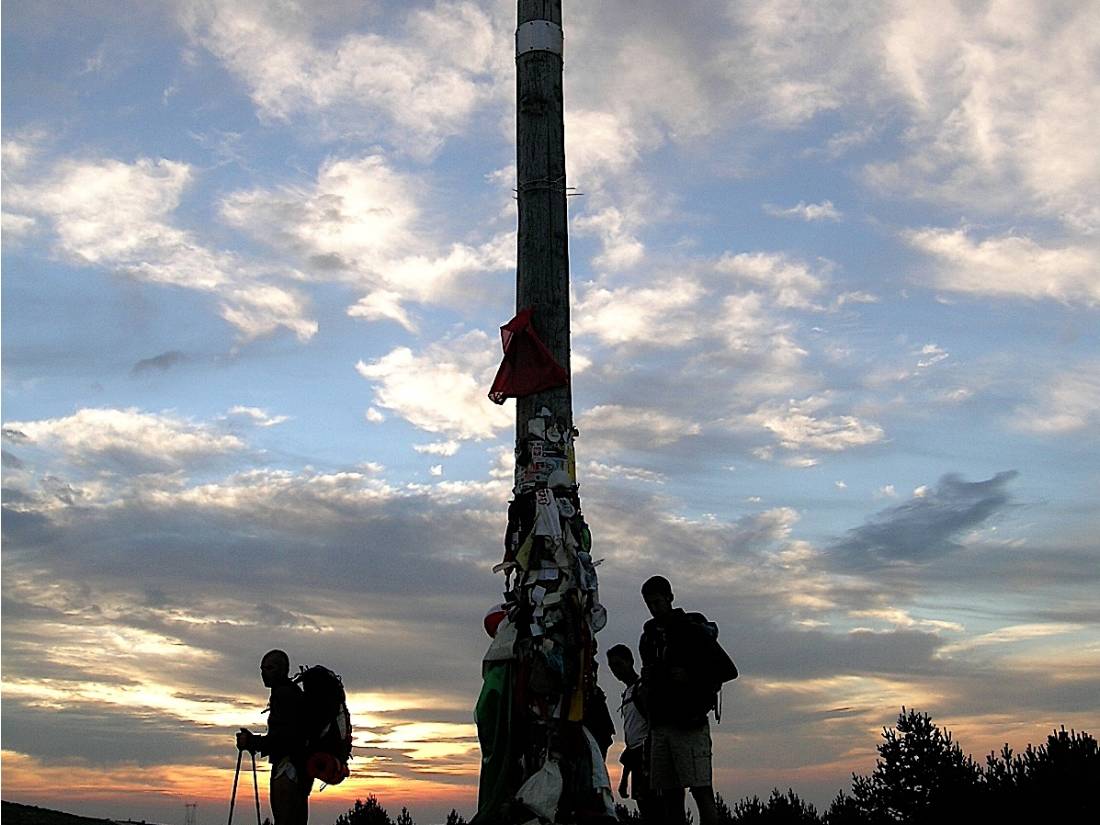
{"points": [[657, 586]]}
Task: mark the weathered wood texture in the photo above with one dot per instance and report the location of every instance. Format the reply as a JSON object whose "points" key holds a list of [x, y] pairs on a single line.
{"points": [[542, 272]]}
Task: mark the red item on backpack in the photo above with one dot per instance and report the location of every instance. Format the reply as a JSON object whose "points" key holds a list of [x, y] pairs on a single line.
{"points": [[327, 768]]}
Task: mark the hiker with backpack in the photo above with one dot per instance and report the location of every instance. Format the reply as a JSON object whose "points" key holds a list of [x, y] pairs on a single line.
{"points": [[284, 743], [683, 668]]}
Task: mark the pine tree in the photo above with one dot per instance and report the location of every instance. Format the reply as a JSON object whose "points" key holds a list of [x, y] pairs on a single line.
{"points": [[1056, 780], [370, 812], [405, 818], [454, 818], [921, 775], [725, 815]]}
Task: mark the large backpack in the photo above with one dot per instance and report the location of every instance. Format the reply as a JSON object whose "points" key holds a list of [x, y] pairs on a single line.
{"points": [[717, 667], [328, 739], [692, 643]]}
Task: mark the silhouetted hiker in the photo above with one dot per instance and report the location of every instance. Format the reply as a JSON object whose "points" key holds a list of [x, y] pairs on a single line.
{"points": [[683, 667], [635, 781], [284, 743]]}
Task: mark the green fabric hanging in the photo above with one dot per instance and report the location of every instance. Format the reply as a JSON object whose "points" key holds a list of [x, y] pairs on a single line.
{"points": [[499, 766]]}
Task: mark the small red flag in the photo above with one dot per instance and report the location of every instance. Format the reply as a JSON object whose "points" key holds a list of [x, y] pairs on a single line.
{"points": [[528, 367]]}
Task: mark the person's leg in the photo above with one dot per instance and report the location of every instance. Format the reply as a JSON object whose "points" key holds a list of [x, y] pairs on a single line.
{"points": [[645, 796], [289, 801], [704, 800], [667, 791], [648, 809], [671, 802]]}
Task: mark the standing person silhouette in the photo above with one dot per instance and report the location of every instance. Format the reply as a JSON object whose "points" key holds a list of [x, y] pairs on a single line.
{"points": [[683, 666], [284, 743], [634, 759]]}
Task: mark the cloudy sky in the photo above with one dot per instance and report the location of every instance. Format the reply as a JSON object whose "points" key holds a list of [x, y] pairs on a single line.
{"points": [[836, 278]]}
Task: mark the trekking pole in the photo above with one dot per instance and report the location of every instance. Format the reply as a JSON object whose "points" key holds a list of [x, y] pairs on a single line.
{"points": [[236, 776], [256, 787]]}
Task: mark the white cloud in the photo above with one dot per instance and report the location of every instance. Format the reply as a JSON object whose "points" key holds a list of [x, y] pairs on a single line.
{"points": [[15, 227], [824, 211], [855, 298], [931, 354], [977, 103], [112, 215], [91, 435], [20, 151], [1011, 634], [257, 416], [374, 416], [358, 210], [747, 326], [362, 222], [615, 426], [642, 316], [796, 427], [416, 87], [994, 113], [1009, 265], [728, 301], [436, 470], [1068, 402], [898, 617], [443, 389], [843, 142], [1001, 106], [957, 395], [801, 462], [382, 304], [791, 283], [443, 448], [600, 144], [621, 249], [598, 471]]}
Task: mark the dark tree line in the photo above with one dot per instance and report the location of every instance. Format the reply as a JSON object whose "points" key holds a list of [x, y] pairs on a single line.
{"points": [[921, 776], [371, 812]]}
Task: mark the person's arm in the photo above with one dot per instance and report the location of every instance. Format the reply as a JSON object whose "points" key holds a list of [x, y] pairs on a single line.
{"points": [[286, 727], [623, 787]]}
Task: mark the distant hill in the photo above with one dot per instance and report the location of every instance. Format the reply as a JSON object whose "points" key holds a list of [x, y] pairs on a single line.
{"points": [[14, 813]]}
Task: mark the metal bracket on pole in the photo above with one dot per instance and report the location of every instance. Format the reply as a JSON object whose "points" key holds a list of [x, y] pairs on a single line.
{"points": [[539, 36]]}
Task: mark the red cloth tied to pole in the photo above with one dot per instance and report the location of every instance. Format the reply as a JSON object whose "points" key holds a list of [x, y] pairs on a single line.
{"points": [[528, 367]]}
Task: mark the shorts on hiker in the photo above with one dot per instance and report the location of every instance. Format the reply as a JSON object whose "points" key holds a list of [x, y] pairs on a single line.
{"points": [[679, 757]]}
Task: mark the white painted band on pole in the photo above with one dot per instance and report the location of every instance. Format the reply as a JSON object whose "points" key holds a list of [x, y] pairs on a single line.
{"points": [[539, 36]]}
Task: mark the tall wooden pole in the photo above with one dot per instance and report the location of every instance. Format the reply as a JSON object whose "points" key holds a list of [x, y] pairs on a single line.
{"points": [[542, 272], [543, 721]]}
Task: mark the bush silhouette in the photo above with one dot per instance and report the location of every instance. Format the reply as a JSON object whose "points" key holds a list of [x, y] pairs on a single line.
{"points": [[780, 809], [1052, 782], [370, 812]]}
